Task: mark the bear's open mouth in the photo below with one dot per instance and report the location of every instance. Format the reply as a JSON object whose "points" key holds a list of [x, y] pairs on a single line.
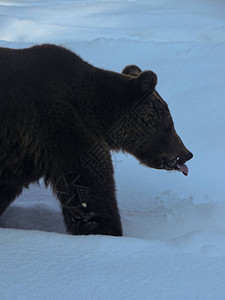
{"points": [[175, 166], [179, 167]]}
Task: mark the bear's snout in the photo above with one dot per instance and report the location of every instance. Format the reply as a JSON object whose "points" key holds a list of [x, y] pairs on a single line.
{"points": [[189, 156]]}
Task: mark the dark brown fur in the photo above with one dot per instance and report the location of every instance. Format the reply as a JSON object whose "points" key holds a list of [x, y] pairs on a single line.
{"points": [[59, 119]]}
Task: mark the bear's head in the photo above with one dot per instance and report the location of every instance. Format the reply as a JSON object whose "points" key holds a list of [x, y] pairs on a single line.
{"points": [[147, 131]]}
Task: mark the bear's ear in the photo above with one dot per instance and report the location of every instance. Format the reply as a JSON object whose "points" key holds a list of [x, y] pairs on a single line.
{"points": [[132, 70], [147, 81]]}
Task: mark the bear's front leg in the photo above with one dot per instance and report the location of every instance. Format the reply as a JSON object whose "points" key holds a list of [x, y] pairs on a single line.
{"points": [[87, 197], [88, 222]]}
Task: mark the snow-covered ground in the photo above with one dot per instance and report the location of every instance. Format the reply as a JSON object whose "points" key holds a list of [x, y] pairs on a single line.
{"points": [[174, 226]]}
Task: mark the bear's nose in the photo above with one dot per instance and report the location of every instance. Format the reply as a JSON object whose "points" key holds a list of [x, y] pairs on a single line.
{"points": [[189, 156]]}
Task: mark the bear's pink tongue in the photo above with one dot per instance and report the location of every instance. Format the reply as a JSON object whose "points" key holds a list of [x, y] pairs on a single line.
{"points": [[184, 169]]}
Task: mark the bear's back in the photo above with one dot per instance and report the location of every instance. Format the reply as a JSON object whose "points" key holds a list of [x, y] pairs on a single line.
{"points": [[39, 61]]}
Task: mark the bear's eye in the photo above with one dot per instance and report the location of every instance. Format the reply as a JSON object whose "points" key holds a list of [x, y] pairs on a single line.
{"points": [[169, 129]]}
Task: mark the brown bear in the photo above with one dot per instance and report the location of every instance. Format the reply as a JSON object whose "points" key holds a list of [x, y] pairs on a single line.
{"points": [[59, 119]]}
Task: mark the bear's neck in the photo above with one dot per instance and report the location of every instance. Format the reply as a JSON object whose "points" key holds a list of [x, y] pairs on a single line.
{"points": [[109, 96]]}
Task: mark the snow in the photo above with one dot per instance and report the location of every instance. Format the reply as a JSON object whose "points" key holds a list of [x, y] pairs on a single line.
{"points": [[174, 229], [57, 266]]}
